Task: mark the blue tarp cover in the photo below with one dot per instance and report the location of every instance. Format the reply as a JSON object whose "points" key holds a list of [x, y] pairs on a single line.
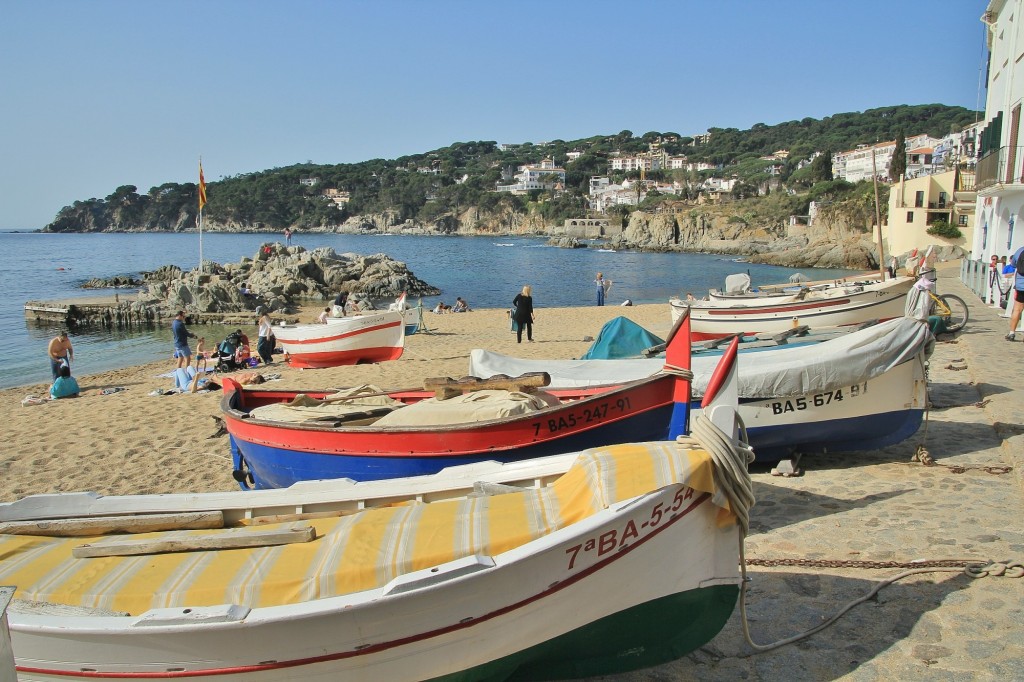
{"points": [[621, 338]]}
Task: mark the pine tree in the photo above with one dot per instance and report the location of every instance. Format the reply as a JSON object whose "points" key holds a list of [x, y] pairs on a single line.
{"points": [[899, 158]]}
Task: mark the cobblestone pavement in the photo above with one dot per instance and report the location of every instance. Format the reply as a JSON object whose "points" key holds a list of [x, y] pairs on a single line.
{"points": [[882, 506]]}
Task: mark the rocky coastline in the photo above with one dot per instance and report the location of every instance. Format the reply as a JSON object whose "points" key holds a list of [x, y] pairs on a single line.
{"points": [[278, 279], [841, 236]]}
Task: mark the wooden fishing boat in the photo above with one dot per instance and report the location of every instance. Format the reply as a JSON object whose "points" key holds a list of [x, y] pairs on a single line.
{"points": [[279, 437], [585, 564], [352, 340], [411, 315], [860, 391], [831, 307]]}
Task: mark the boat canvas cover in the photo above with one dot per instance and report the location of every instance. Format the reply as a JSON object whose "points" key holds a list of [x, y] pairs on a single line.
{"points": [[621, 338], [737, 284], [850, 359], [351, 553], [304, 408], [468, 408]]}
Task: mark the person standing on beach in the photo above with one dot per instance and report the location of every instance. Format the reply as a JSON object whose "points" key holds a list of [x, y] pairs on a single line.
{"points": [[265, 343], [1018, 292], [288, 236], [603, 285], [181, 335], [61, 352], [523, 303]]}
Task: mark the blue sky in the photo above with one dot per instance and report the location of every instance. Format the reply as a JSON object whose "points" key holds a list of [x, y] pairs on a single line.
{"points": [[98, 94]]}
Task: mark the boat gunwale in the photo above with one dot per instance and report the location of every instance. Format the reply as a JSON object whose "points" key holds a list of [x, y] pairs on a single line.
{"points": [[595, 393]]}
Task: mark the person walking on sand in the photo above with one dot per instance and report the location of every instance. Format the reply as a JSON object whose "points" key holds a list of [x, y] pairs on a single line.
{"points": [[1018, 292], [60, 352], [181, 335], [524, 317], [603, 285]]}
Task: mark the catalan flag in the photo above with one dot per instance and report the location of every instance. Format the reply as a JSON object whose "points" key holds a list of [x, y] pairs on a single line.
{"points": [[202, 187]]}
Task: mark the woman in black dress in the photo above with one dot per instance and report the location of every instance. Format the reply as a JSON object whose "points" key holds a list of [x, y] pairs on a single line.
{"points": [[524, 313]]}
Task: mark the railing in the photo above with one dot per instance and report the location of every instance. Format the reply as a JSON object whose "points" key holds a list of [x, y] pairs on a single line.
{"points": [[974, 274], [1002, 166], [965, 182]]}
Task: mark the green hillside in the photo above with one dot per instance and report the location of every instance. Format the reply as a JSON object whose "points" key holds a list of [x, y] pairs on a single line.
{"points": [[424, 187]]}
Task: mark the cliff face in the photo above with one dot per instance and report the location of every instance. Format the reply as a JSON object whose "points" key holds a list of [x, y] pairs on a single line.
{"points": [[836, 240], [840, 236]]}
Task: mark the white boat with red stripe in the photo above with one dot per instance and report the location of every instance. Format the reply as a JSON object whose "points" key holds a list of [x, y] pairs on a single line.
{"points": [[353, 340]]}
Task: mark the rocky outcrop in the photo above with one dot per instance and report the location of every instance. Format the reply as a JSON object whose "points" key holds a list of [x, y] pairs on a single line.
{"points": [[838, 238], [277, 278], [567, 243], [116, 282]]}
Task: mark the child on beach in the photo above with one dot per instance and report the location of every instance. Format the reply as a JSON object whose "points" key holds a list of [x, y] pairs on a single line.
{"points": [[201, 353]]}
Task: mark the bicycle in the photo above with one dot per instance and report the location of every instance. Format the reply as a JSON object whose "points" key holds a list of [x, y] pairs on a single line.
{"points": [[950, 308]]}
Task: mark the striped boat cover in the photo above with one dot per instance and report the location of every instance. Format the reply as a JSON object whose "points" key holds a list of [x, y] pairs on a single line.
{"points": [[351, 553]]}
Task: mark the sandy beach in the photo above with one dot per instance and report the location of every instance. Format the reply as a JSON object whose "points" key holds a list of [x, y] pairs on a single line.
{"points": [[869, 507], [131, 442]]}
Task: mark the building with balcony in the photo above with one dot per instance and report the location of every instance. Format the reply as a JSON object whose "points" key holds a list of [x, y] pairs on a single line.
{"points": [[917, 204], [1000, 168]]}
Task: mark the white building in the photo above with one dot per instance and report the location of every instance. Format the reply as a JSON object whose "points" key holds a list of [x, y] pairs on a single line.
{"points": [[1000, 169], [855, 165], [544, 176], [646, 162]]}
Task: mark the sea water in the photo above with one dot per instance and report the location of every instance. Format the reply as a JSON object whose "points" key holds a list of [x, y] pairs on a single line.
{"points": [[486, 271]]}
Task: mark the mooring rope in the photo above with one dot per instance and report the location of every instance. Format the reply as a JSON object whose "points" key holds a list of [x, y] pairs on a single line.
{"points": [[732, 478]]}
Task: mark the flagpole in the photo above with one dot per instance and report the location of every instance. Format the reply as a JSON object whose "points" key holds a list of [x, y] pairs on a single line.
{"points": [[202, 202]]}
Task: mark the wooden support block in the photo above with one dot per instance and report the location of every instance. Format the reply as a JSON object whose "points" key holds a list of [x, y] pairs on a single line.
{"points": [[235, 538], [782, 337], [104, 525], [715, 343]]}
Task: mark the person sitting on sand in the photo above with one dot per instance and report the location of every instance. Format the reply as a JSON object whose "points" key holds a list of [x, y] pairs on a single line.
{"points": [[460, 306], [441, 308], [322, 318], [340, 302], [64, 386]]}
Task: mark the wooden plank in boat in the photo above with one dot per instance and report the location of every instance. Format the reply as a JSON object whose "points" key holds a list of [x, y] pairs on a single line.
{"points": [[103, 525], [236, 538]]}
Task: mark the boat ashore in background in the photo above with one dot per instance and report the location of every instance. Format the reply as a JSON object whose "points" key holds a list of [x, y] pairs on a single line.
{"points": [[351, 340], [838, 306], [860, 391], [738, 287], [279, 437], [620, 338], [411, 316], [585, 564]]}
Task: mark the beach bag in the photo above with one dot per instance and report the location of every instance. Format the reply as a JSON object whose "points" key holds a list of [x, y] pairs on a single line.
{"points": [[513, 326]]}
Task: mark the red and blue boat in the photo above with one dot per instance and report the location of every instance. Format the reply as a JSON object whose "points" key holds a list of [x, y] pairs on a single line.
{"points": [[413, 433]]}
